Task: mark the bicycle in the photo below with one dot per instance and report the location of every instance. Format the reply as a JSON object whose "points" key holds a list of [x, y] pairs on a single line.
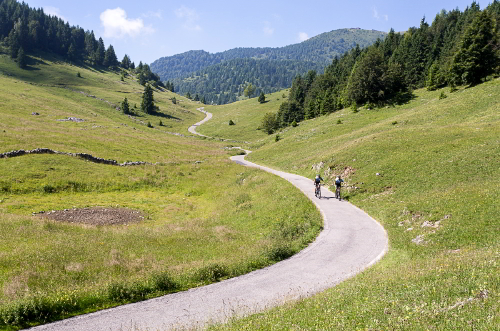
{"points": [[317, 191], [337, 192]]}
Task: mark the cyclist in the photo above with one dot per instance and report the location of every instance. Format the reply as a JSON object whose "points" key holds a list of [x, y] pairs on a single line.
{"points": [[338, 184], [317, 182]]}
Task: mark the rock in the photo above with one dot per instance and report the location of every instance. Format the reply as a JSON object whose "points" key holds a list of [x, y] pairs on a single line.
{"points": [[377, 174], [35, 113], [418, 240]]}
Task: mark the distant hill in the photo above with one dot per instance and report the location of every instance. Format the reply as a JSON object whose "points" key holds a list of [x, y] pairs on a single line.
{"points": [[221, 77], [321, 49]]}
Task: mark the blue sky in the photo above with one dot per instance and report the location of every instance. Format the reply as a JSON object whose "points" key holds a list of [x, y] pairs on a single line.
{"points": [[147, 30]]}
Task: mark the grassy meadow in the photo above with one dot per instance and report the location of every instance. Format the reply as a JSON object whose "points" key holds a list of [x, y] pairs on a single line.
{"points": [[429, 171], [197, 204]]}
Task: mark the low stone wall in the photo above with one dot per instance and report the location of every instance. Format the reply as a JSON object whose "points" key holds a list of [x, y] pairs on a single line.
{"points": [[84, 156]]}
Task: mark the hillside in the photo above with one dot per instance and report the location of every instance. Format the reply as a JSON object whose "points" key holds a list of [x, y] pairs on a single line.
{"points": [[145, 219], [320, 49], [428, 171], [221, 77], [225, 82]]}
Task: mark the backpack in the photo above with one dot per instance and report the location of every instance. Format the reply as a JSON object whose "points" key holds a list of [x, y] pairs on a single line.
{"points": [[338, 182]]}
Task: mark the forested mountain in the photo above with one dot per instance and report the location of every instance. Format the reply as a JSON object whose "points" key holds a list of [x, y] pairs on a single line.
{"points": [[225, 82], [320, 49], [458, 48], [221, 78]]}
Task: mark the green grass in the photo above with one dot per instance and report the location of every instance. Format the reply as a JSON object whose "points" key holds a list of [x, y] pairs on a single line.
{"points": [[439, 179], [246, 115], [198, 204]]}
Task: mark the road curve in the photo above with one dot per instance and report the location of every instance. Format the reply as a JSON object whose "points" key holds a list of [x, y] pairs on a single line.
{"points": [[350, 242], [193, 127]]}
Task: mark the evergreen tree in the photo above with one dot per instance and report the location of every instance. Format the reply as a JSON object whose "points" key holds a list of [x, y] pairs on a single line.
{"points": [[125, 106], [262, 97], [147, 103], [476, 57], [110, 59], [365, 83], [99, 52], [125, 62], [196, 97], [21, 58], [188, 95]]}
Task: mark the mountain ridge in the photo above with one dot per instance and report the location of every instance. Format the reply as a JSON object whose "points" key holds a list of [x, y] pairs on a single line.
{"points": [[333, 43]]}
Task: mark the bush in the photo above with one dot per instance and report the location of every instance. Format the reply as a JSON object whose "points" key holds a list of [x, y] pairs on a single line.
{"points": [[78, 74], [163, 282], [339, 121], [231, 122], [279, 252], [150, 125], [294, 124], [212, 273], [442, 96], [277, 138]]}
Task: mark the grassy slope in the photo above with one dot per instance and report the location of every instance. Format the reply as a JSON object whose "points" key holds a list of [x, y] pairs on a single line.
{"points": [[438, 164], [246, 115], [57, 269]]}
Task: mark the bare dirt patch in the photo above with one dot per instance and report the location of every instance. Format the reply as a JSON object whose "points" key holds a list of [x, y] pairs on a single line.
{"points": [[95, 216]]}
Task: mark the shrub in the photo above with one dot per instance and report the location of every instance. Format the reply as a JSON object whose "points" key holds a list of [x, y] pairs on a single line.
{"points": [[78, 74], [150, 125], [442, 96], [339, 121], [231, 122], [277, 138], [294, 123], [279, 252], [395, 122], [163, 282], [212, 273], [160, 124]]}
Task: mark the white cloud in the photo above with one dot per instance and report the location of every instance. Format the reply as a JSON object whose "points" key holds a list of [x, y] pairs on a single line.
{"points": [[376, 15], [53, 11], [267, 29], [157, 14], [303, 36], [190, 17], [117, 25]]}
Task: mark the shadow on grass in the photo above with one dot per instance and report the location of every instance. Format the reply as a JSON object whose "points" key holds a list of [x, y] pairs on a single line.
{"points": [[401, 98]]}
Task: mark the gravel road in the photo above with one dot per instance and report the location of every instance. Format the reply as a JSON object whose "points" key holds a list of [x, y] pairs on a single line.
{"points": [[350, 242]]}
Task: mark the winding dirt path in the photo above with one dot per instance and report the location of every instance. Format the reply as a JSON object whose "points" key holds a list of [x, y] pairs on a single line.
{"points": [[350, 242]]}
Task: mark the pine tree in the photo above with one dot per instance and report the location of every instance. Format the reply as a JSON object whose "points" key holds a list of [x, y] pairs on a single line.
{"points": [[125, 62], [148, 104], [476, 57], [125, 106], [99, 52], [21, 58], [262, 97], [110, 59]]}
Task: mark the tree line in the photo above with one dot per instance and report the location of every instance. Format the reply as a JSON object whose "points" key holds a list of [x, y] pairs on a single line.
{"points": [[225, 82], [458, 48], [320, 49], [27, 30]]}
